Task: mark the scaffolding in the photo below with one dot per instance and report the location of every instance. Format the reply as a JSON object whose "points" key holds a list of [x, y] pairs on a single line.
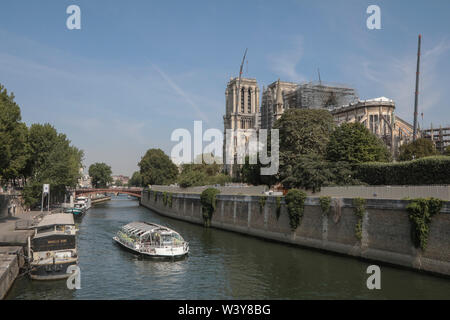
{"points": [[320, 95]]}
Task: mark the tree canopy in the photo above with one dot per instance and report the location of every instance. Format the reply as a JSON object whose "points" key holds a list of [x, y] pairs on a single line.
{"points": [[13, 138], [417, 149], [354, 143], [157, 168], [136, 180], [100, 174]]}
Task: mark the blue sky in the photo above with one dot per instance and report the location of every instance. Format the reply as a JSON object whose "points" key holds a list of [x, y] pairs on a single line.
{"points": [[137, 70]]}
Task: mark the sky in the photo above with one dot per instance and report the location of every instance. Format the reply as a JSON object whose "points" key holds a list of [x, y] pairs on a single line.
{"points": [[138, 70]]}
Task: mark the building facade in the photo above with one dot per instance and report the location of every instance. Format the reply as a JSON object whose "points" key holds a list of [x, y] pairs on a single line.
{"points": [[241, 112]]}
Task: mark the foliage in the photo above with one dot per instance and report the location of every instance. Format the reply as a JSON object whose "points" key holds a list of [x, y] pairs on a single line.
{"points": [[303, 131], [359, 208], [157, 168], [262, 203], [354, 143], [325, 204], [420, 213], [100, 174], [52, 160], [136, 180], [208, 201], [419, 148], [13, 139], [295, 201], [278, 202], [424, 171], [169, 200], [311, 172], [202, 174], [165, 198]]}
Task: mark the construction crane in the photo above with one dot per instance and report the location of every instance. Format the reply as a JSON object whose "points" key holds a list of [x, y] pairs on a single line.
{"points": [[239, 81]]}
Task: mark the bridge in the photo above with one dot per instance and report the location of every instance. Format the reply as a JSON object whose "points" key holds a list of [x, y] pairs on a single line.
{"points": [[135, 192]]}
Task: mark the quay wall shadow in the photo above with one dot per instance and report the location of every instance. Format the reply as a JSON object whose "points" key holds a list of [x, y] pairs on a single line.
{"points": [[386, 229]]}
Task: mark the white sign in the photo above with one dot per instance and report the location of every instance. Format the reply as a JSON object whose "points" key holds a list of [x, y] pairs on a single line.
{"points": [[46, 188]]}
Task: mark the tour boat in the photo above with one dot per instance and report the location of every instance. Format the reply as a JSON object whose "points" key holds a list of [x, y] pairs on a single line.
{"points": [[53, 248], [152, 240]]}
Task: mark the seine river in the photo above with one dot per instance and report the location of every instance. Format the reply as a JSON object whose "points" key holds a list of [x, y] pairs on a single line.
{"points": [[221, 265]]}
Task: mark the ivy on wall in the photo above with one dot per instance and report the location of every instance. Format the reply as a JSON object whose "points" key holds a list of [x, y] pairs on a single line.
{"points": [[359, 208], [420, 212], [208, 201], [278, 201], [165, 198], [262, 203], [295, 202], [325, 204], [169, 200]]}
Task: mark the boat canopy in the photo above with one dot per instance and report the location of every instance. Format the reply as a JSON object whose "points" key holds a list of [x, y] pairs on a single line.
{"points": [[139, 229], [55, 219]]}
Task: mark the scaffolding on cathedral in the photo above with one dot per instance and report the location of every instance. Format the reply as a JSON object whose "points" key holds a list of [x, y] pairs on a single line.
{"points": [[320, 95]]}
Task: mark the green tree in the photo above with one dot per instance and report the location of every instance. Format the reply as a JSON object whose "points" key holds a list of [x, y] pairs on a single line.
{"points": [[52, 160], [202, 173], [100, 174], [302, 133], [13, 139], [136, 180], [417, 149], [157, 168], [354, 143]]}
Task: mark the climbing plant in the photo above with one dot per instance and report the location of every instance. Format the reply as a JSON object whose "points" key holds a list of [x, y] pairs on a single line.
{"points": [[325, 204], [169, 200], [295, 202], [208, 202], [156, 196], [420, 212], [262, 203], [278, 200], [359, 208], [165, 198]]}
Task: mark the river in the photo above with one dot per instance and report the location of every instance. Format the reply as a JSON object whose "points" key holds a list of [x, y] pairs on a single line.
{"points": [[221, 265]]}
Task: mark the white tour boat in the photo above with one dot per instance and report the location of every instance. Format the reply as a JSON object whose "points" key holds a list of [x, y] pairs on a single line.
{"points": [[152, 240]]}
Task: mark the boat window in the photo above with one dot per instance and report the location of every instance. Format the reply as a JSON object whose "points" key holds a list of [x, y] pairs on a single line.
{"points": [[46, 229]]}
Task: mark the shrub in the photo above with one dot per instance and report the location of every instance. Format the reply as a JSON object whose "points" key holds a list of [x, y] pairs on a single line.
{"points": [[208, 201], [295, 201], [424, 171], [325, 204]]}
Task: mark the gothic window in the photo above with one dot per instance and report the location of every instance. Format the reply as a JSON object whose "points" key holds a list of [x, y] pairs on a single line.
{"points": [[249, 101], [242, 100]]}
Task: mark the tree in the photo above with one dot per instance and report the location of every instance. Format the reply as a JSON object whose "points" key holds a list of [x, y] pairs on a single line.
{"points": [[302, 132], [201, 174], [52, 160], [157, 168], [417, 149], [136, 180], [100, 174], [13, 138], [354, 143]]}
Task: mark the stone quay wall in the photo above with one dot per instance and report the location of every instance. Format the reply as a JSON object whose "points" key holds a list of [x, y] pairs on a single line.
{"points": [[386, 229]]}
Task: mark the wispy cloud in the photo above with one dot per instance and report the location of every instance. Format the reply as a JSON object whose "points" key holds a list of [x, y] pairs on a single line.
{"points": [[285, 63], [395, 78], [183, 94]]}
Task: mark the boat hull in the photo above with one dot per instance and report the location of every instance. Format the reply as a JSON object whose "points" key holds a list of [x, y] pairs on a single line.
{"points": [[51, 271], [151, 255]]}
